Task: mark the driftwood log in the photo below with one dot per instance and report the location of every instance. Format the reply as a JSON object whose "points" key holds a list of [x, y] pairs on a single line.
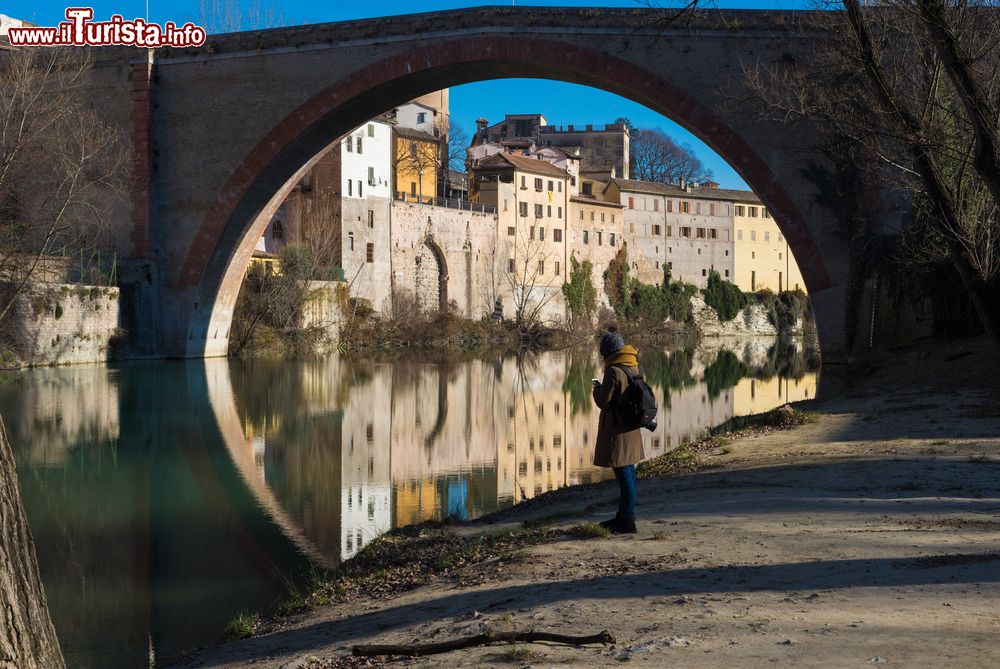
{"points": [[415, 650]]}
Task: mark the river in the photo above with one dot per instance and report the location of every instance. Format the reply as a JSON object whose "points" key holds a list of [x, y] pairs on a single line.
{"points": [[165, 497]]}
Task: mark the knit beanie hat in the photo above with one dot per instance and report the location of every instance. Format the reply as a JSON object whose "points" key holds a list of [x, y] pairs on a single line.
{"points": [[611, 343]]}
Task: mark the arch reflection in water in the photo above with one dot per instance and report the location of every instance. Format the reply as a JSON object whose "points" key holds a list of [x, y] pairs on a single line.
{"points": [[166, 497], [348, 450]]}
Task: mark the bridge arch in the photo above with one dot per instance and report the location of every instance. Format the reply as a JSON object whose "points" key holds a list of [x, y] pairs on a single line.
{"points": [[213, 266]]}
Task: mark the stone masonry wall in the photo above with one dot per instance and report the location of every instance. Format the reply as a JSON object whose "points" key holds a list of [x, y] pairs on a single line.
{"points": [[60, 324]]}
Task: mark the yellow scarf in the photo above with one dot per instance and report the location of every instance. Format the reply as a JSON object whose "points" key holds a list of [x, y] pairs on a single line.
{"points": [[624, 356]]}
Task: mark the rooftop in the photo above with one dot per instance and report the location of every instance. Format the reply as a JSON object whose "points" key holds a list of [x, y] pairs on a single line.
{"points": [[512, 161], [729, 194]]}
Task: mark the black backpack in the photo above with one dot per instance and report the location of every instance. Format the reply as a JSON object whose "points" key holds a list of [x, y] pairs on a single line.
{"points": [[636, 405]]}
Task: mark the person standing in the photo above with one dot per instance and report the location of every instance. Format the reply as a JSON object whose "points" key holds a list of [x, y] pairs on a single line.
{"points": [[619, 445]]}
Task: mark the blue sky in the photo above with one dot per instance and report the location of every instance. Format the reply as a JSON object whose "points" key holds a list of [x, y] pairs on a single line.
{"points": [[560, 102]]}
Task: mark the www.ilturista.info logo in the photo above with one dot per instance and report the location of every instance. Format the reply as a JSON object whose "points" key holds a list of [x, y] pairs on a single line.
{"points": [[80, 30]]}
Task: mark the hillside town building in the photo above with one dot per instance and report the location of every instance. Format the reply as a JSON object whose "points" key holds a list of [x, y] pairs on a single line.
{"points": [[406, 231]]}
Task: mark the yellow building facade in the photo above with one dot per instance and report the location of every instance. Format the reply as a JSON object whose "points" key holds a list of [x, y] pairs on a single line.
{"points": [[762, 257], [416, 164]]}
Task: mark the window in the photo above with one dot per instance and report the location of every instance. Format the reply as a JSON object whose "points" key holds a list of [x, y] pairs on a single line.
{"points": [[349, 143], [656, 205], [371, 218], [586, 236], [531, 232], [727, 273], [765, 213], [656, 230], [557, 235], [612, 218], [739, 235], [753, 235], [611, 239], [740, 210], [697, 208], [711, 209], [560, 186], [541, 267], [780, 238], [713, 233], [551, 185], [413, 149], [685, 232], [524, 182], [522, 208], [591, 214], [588, 188], [350, 239], [670, 206], [359, 143], [350, 187], [510, 265], [753, 212], [685, 207], [548, 211], [538, 211], [581, 214], [631, 202], [371, 129], [359, 188], [700, 233], [557, 274], [704, 272], [421, 117], [538, 184], [511, 231], [600, 238], [413, 188], [779, 256], [370, 252], [277, 230], [371, 176], [559, 212], [541, 234], [767, 235]]}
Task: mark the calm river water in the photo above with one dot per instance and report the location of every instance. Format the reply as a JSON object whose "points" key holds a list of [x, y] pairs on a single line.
{"points": [[165, 497]]}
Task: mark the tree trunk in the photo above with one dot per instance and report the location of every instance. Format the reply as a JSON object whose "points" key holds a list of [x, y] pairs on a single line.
{"points": [[27, 637]]}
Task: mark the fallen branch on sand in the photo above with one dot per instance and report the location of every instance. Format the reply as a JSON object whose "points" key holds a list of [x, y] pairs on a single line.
{"points": [[415, 650]]}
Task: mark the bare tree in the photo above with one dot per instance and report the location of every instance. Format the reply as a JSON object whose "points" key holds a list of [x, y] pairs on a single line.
{"points": [[230, 16], [530, 278], [27, 638], [458, 146], [654, 156], [912, 85], [60, 165]]}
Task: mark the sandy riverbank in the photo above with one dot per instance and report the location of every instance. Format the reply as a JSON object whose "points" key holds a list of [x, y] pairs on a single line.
{"points": [[868, 536]]}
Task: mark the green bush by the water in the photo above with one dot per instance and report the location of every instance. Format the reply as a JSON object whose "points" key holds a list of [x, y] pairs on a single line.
{"points": [[726, 298], [637, 302]]}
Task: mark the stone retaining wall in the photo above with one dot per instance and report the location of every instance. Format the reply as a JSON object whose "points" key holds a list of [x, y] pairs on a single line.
{"points": [[60, 324]]}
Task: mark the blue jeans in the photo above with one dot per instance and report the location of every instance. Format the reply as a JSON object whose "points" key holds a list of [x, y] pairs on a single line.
{"points": [[627, 491]]}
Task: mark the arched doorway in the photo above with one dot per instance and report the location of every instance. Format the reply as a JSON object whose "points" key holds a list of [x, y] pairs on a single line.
{"points": [[430, 277]]}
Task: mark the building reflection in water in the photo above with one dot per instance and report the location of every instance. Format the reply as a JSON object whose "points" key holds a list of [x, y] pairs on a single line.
{"points": [[166, 497], [351, 450]]}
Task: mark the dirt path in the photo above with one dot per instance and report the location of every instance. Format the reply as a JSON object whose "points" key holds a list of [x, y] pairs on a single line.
{"points": [[869, 536]]}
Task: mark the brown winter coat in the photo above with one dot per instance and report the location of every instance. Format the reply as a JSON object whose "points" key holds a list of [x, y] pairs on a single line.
{"points": [[617, 446]]}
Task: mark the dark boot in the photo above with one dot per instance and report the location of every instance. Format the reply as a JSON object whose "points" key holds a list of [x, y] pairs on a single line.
{"points": [[623, 525], [620, 525]]}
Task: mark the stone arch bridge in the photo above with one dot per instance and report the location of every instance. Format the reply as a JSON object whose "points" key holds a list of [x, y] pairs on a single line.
{"points": [[220, 134]]}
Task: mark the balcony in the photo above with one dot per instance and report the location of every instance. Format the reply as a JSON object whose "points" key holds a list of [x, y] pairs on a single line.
{"points": [[449, 203]]}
